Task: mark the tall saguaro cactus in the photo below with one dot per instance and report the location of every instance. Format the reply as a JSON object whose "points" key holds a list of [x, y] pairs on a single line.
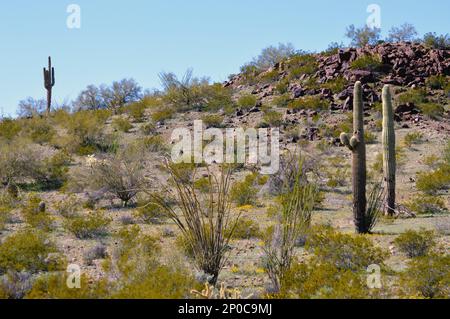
{"points": [[358, 147], [388, 141], [49, 82]]}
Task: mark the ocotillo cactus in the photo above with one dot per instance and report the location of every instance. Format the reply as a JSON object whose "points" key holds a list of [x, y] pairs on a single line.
{"points": [[49, 82], [358, 147], [388, 137]]}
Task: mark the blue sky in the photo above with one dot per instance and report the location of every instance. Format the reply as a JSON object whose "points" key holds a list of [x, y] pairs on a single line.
{"points": [[139, 39]]}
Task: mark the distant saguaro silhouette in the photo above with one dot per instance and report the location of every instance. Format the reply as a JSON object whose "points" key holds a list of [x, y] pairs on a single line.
{"points": [[49, 82]]}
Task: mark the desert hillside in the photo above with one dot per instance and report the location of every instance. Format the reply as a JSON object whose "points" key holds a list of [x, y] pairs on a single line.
{"points": [[89, 187]]}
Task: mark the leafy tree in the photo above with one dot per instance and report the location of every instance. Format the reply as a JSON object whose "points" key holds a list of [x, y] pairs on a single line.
{"points": [[406, 32], [89, 99], [120, 93], [31, 107], [184, 93], [431, 39], [271, 55], [362, 36]]}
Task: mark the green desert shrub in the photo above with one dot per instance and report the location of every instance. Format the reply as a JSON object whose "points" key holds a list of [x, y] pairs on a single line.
{"points": [[272, 119], [323, 281], [437, 82], [217, 97], [247, 101], [149, 212], [40, 130], [249, 73], [282, 86], [367, 62], [154, 143], [244, 192], [281, 100], [212, 120], [416, 96], [301, 64], [336, 85], [432, 110], [93, 225], [203, 184], [163, 114], [311, 102], [434, 181], [86, 131], [245, 229], [35, 216], [184, 246], [426, 204], [427, 277], [29, 250], [416, 243], [53, 171], [171, 284], [68, 207], [148, 128], [344, 251], [9, 129], [122, 124], [136, 267], [120, 175], [412, 138], [137, 110], [369, 137], [5, 217], [338, 177], [54, 286]]}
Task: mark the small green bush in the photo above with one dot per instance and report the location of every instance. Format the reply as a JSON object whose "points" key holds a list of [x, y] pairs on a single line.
{"points": [[281, 100], [434, 181], [272, 119], [426, 204], [154, 143], [369, 137], [312, 102], [344, 251], [212, 120], [416, 96], [148, 128], [245, 229], [432, 110], [427, 277], [40, 130], [336, 85], [91, 226], [282, 86], [415, 243], [54, 286], [437, 82], [247, 101], [244, 192], [9, 129], [413, 138], [28, 250], [367, 62], [137, 110], [323, 281], [149, 212], [122, 124], [35, 217], [69, 207], [162, 115]]}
